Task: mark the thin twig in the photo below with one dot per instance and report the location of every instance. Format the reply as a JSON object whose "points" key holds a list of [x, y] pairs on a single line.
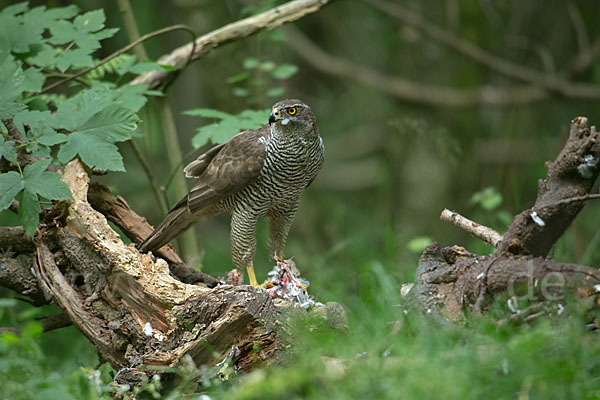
{"points": [[189, 244], [270, 19], [140, 51], [477, 307], [159, 194], [188, 241], [576, 199], [48, 323], [491, 61], [583, 61], [482, 232], [407, 89], [118, 53]]}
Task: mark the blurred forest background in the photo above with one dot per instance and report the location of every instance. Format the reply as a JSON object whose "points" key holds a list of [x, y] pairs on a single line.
{"points": [[411, 125]]}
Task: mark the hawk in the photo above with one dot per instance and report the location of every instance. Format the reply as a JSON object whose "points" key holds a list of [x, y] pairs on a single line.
{"points": [[258, 173]]}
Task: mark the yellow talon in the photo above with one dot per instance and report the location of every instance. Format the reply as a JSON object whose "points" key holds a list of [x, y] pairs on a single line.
{"points": [[268, 284], [251, 276]]}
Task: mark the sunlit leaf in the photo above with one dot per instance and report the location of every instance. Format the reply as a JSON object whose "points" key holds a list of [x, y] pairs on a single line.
{"points": [[284, 71]]}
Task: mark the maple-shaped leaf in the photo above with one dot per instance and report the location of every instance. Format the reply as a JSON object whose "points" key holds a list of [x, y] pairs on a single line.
{"points": [[228, 126], [12, 85], [82, 30], [45, 183], [35, 181], [96, 122], [41, 134]]}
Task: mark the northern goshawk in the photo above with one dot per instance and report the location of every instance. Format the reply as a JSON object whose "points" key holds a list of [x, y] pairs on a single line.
{"points": [[258, 173]]}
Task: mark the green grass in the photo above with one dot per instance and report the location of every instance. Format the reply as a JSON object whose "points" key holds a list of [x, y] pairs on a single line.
{"points": [[392, 351], [389, 351]]}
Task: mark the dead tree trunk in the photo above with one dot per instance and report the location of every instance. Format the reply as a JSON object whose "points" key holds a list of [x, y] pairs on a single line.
{"points": [[130, 307], [451, 281]]}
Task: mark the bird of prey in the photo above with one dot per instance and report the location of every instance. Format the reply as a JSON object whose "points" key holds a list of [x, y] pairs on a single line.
{"points": [[258, 173]]}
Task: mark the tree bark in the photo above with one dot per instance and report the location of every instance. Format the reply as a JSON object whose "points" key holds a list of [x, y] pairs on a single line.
{"points": [[128, 304], [452, 281]]}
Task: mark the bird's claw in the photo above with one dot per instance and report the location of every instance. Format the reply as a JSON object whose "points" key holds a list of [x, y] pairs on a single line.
{"points": [[267, 285]]}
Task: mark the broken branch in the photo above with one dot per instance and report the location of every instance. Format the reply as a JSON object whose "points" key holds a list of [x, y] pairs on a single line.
{"points": [[241, 29], [482, 232]]}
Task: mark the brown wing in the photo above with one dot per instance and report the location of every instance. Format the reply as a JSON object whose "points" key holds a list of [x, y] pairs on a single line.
{"points": [[198, 166], [224, 171]]}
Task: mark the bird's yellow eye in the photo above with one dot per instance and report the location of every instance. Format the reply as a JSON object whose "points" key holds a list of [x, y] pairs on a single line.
{"points": [[292, 110]]}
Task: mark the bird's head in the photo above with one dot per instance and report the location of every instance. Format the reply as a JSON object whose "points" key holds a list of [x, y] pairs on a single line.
{"points": [[292, 115]]}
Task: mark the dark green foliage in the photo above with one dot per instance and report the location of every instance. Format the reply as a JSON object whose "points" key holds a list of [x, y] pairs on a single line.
{"points": [[39, 43], [391, 167], [227, 126]]}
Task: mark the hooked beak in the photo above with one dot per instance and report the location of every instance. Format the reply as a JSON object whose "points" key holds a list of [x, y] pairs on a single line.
{"points": [[274, 116]]}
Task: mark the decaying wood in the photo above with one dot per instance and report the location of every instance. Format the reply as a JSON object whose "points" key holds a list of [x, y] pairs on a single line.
{"points": [[130, 305], [18, 275], [131, 308], [570, 175], [451, 280], [136, 228], [15, 240]]}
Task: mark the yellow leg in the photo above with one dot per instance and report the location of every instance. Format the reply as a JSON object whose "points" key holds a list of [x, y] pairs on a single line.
{"points": [[251, 275]]}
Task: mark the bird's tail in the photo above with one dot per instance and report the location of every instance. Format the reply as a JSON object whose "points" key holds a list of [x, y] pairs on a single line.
{"points": [[175, 223]]}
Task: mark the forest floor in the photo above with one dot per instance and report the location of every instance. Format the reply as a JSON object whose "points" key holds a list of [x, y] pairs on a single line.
{"points": [[388, 351]]}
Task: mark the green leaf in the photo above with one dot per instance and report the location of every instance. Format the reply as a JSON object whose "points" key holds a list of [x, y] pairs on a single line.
{"points": [[156, 93], [7, 303], [90, 22], [94, 151], [75, 111], [96, 122], [267, 66], [418, 244], [106, 33], [8, 150], [144, 66], [242, 76], [78, 58], [207, 113], [275, 92], [12, 85], [488, 198], [38, 19], [29, 211], [229, 125], [41, 133], [45, 57], [81, 31], [114, 123], [32, 329], [45, 183], [15, 9], [132, 96], [10, 185], [34, 80], [240, 92], [251, 62], [284, 71], [19, 39]]}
